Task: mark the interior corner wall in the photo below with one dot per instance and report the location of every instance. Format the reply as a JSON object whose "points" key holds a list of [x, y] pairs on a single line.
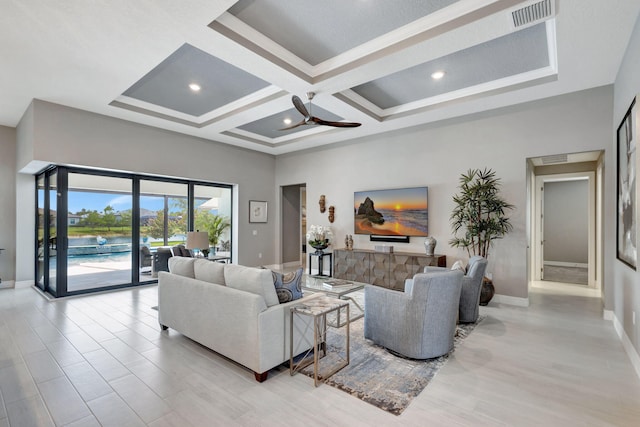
{"points": [[7, 204], [435, 155], [55, 134], [622, 295]]}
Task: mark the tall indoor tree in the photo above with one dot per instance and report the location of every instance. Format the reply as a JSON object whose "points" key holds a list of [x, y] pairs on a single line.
{"points": [[480, 213]]}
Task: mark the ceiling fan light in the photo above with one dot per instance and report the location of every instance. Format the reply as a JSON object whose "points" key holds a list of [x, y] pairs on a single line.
{"points": [[437, 75]]}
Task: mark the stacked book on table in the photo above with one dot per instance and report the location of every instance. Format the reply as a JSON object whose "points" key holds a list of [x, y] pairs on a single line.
{"points": [[335, 283]]}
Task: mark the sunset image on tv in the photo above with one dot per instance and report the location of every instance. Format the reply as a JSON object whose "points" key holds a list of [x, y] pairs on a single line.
{"points": [[397, 212]]}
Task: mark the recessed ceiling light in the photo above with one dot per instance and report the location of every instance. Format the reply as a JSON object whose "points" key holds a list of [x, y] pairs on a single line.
{"points": [[194, 87], [437, 75], [287, 121]]}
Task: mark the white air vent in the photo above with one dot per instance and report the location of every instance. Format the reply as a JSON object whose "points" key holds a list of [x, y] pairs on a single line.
{"points": [[533, 13], [557, 158]]}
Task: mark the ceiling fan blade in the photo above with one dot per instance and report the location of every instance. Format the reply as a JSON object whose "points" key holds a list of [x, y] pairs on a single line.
{"points": [[297, 102], [335, 124], [303, 122]]}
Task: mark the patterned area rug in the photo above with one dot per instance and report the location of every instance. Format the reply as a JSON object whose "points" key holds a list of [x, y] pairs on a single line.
{"points": [[377, 376]]}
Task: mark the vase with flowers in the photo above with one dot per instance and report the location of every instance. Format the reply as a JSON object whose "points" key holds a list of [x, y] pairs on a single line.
{"points": [[319, 237]]}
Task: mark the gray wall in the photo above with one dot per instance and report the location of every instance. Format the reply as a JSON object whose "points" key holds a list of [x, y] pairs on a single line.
{"points": [[566, 224], [7, 204], [55, 134], [436, 155], [623, 291]]}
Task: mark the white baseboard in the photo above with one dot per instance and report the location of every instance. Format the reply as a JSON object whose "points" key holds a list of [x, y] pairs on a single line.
{"points": [[634, 357], [7, 284], [292, 264], [566, 264], [24, 283], [506, 299]]}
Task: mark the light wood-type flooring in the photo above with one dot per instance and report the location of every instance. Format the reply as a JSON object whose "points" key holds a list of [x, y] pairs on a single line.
{"points": [[102, 360]]}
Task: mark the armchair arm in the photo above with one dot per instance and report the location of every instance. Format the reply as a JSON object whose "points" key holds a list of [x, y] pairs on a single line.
{"points": [[430, 269], [408, 286]]}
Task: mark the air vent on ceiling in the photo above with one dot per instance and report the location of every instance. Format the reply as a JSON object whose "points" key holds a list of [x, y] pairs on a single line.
{"points": [[556, 158], [533, 13]]}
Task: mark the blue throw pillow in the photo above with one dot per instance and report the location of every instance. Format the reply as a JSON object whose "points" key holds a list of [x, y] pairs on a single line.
{"points": [[288, 286]]}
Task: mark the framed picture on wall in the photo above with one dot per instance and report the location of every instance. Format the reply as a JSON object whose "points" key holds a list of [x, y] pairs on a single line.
{"points": [[257, 211], [626, 222]]}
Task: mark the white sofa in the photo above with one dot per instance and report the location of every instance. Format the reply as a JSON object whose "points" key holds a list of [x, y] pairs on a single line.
{"points": [[231, 309]]}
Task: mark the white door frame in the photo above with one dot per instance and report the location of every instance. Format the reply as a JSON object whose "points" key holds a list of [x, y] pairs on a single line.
{"points": [[538, 247]]}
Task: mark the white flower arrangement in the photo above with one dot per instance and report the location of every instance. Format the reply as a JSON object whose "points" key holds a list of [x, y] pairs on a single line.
{"points": [[319, 235]]}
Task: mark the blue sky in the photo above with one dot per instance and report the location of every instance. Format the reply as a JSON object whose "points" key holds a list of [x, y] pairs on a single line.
{"points": [[98, 201]]}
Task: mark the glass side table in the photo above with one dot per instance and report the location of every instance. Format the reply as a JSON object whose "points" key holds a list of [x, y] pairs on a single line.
{"points": [[318, 309]]}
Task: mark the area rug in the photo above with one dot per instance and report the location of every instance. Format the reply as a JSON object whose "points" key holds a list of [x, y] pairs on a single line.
{"points": [[377, 376]]}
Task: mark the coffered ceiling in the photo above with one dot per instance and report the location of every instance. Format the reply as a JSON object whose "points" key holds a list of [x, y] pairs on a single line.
{"points": [[367, 61]]}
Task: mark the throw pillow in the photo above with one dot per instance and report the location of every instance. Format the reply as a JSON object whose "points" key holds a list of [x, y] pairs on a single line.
{"points": [[209, 271], [288, 286], [254, 280], [182, 266], [459, 265]]}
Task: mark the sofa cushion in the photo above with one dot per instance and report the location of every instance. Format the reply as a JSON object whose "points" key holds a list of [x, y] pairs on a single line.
{"points": [[209, 271], [288, 286], [254, 280], [180, 250], [459, 265], [182, 266]]}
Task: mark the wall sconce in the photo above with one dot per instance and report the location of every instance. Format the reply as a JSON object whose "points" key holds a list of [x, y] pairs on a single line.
{"points": [[332, 211], [322, 202]]}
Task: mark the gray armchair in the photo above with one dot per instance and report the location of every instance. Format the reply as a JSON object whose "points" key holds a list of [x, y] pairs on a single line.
{"points": [[420, 322], [471, 287]]}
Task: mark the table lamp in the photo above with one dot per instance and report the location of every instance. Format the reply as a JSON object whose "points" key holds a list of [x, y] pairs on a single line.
{"points": [[198, 240]]}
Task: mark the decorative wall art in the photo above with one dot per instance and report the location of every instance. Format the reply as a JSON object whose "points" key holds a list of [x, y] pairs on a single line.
{"points": [[257, 211], [626, 203]]}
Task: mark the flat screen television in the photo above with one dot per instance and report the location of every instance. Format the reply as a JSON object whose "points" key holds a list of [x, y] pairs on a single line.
{"points": [[394, 212]]}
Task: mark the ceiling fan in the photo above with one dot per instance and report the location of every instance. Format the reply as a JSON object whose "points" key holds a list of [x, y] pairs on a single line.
{"points": [[312, 120]]}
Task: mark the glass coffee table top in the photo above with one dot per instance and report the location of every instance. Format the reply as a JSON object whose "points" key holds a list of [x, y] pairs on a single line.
{"points": [[330, 286]]}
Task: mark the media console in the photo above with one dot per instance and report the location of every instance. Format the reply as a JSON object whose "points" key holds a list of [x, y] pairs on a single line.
{"points": [[388, 270]]}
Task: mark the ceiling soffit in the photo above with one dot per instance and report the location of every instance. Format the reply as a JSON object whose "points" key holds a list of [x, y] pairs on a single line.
{"points": [[369, 62]]}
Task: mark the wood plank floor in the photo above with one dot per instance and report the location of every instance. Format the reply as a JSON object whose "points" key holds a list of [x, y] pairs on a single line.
{"points": [[102, 360]]}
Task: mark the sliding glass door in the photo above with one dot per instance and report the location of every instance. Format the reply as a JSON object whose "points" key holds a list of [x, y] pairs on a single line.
{"points": [[98, 230], [163, 220]]}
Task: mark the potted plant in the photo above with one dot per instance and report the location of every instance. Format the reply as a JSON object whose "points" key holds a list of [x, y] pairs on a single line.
{"points": [[479, 217], [216, 225]]}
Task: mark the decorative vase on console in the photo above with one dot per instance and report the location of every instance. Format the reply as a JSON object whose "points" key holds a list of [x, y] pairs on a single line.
{"points": [[319, 238], [430, 245]]}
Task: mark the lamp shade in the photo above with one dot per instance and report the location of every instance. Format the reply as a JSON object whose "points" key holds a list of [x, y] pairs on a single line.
{"points": [[197, 240]]}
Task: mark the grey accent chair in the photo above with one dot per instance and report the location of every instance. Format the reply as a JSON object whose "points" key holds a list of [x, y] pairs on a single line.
{"points": [[419, 323], [145, 257], [471, 287], [161, 260]]}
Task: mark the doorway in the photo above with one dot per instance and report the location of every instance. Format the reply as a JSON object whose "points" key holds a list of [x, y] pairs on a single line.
{"points": [[293, 227], [565, 219], [566, 227]]}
